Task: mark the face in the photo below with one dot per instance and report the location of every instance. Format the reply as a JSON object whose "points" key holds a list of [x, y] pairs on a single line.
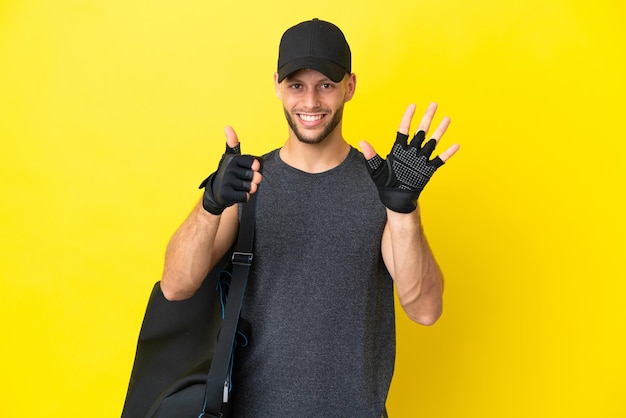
{"points": [[313, 103]]}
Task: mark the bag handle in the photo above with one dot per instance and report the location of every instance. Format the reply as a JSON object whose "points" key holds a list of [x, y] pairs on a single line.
{"points": [[241, 260]]}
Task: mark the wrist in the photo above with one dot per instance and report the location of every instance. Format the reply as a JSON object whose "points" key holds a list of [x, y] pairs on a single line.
{"points": [[399, 200], [209, 203], [405, 224]]}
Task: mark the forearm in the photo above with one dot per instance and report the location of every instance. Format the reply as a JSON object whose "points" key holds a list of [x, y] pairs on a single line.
{"points": [[417, 276], [188, 257]]}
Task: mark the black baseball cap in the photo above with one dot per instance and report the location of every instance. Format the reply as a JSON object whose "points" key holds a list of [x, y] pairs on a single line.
{"points": [[316, 45]]}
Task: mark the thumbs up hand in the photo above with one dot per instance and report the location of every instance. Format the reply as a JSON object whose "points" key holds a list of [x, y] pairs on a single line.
{"points": [[236, 177]]}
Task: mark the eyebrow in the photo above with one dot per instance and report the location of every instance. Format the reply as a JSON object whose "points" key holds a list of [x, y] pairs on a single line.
{"points": [[295, 79]]}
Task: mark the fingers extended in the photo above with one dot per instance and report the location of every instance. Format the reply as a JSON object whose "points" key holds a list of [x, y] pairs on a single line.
{"points": [[418, 139], [436, 162], [429, 147], [449, 152], [441, 129], [401, 139], [428, 117], [405, 123]]}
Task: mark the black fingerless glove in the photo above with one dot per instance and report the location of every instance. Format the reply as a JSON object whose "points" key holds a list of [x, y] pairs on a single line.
{"points": [[406, 171], [230, 184]]}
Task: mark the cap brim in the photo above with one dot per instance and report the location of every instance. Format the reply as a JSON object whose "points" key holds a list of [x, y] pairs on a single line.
{"points": [[328, 68]]}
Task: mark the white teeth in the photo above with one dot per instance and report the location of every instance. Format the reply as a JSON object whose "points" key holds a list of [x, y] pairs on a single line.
{"points": [[310, 118]]}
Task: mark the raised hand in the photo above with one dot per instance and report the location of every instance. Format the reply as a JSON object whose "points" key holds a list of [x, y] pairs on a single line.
{"points": [[236, 177], [408, 167]]}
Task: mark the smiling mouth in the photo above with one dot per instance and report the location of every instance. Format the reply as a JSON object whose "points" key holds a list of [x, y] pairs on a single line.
{"points": [[310, 118]]}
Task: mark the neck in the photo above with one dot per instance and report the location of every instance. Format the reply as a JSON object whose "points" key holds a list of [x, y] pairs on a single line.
{"points": [[315, 158]]}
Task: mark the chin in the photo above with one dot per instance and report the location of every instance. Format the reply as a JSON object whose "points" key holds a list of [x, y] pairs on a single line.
{"points": [[324, 131]]}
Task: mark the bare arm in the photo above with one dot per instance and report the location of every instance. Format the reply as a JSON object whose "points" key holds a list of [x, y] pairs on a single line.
{"points": [[411, 263], [405, 250], [195, 247], [204, 237]]}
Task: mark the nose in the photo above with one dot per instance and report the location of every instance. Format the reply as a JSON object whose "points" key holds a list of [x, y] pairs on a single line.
{"points": [[311, 99]]}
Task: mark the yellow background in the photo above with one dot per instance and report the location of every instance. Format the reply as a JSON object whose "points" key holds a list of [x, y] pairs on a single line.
{"points": [[111, 113]]}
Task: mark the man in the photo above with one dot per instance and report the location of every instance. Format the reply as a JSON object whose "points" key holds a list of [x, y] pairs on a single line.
{"points": [[333, 225]]}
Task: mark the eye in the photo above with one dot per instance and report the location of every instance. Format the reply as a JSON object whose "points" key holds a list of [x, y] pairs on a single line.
{"points": [[327, 86], [295, 86]]}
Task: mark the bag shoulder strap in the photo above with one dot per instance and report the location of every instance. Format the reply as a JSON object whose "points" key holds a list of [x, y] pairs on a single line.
{"points": [[241, 260]]}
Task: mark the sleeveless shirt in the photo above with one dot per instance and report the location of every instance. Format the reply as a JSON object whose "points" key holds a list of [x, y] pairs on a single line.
{"points": [[319, 299]]}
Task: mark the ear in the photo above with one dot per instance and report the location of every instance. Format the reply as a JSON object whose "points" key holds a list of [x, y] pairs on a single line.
{"points": [[350, 86], [277, 86]]}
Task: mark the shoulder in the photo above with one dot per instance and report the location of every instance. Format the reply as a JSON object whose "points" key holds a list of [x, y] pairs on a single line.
{"points": [[356, 154], [269, 158], [270, 155], [356, 159]]}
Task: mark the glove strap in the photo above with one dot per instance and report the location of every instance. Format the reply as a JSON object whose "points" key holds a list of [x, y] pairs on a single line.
{"points": [[399, 200]]}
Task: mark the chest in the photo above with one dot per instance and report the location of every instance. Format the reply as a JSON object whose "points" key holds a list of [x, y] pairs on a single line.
{"points": [[338, 209]]}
